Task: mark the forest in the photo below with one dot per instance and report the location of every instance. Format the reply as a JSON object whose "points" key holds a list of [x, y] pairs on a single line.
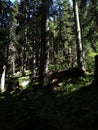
{"points": [[48, 66]]}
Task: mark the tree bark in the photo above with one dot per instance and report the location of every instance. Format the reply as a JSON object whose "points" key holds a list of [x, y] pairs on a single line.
{"points": [[70, 60], [79, 44], [13, 67], [2, 85], [44, 55], [25, 39]]}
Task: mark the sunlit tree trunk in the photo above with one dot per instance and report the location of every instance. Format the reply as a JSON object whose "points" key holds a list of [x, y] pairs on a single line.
{"points": [[13, 67], [44, 56], [34, 58], [2, 85], [24, 59], [80, 53], [70, 60]]}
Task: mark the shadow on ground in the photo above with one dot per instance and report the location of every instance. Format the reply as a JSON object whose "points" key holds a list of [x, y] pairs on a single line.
{"points": [[48, 109]]}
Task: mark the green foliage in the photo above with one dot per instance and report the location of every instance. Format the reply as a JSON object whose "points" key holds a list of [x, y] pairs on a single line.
{"points": [[74, 84], [24, 16], [68, 106], [90, 62], [61, 36], [92, 54]]}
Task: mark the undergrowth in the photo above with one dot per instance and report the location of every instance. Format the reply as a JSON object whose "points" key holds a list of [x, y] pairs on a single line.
{"points": [[69, 107]]}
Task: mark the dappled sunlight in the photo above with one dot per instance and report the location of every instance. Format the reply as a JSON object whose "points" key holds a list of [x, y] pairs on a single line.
{"points": [[25, 83], [65, 107], [48, 72]]}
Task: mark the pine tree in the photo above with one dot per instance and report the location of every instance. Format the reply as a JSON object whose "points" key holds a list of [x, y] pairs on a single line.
{"points": [[5, 14], [13, 37], [80, 58], [62, 35], [44, 56]]}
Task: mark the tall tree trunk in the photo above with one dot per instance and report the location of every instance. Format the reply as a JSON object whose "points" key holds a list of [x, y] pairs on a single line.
{"points": [[44, 55], [34, 48], [7, 50], [80, 54], [25, 39], [24, 59], [34, 66]]}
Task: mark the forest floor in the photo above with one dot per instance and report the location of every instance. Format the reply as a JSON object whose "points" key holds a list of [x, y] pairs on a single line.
{"points": [[72, 107]]}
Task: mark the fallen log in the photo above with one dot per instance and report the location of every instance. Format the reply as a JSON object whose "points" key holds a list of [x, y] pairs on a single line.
{"points": [[57, 77]]}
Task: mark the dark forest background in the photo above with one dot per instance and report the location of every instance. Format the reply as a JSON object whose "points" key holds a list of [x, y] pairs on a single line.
{"points": [[48, 64]]}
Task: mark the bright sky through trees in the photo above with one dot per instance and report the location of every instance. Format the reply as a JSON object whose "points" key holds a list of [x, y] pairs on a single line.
{"points": [[14, 0], [19, 0]]}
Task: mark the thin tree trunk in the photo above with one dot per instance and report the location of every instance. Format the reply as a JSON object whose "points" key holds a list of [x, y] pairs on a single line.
{"points": [[13, 67], [80, 54], [34, 64], [25, 41], [7, 49], [70, 60], [24, 59], [2, 85]]}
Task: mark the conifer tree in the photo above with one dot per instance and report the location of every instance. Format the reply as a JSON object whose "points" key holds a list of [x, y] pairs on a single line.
{"points": [[79, 44], [44, 52], [13, 37]]}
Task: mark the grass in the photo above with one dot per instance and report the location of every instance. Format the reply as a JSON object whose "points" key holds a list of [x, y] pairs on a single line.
{"points": [[69, 108]]}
